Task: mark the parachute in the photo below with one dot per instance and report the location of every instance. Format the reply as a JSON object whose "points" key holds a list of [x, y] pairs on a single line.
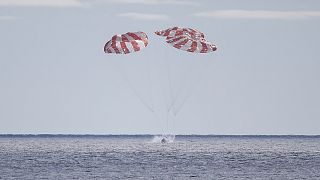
{"points": [[187, 39], [126, 43], [164, 86]]}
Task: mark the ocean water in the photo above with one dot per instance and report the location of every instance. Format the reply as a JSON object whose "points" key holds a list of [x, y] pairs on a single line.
{"points": [[144, 157]]}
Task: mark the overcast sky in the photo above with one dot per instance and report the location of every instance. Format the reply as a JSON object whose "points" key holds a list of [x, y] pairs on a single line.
{"points": [[263, 79]]}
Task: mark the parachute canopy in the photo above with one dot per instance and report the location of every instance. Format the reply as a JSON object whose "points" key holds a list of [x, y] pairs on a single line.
{"points": [[126, 43], [187, 39]]}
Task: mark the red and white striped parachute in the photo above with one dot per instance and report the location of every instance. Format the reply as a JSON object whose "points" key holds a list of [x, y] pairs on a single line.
{"points": [[187, 39], [173, 87], [126, 43]]}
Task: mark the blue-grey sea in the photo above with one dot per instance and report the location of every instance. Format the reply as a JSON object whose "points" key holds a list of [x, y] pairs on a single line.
{"points": [[145, 157]]}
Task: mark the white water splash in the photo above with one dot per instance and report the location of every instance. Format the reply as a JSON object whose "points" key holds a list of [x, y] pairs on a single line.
{"points": [[168, 138]]}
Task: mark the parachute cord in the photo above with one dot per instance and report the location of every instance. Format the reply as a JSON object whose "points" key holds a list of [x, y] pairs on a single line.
{"points": [[181, 105], [188, 95], [197, 81], [181, 87], [170, 84], [166, 90], [150, 85], [130, 85], [167, 122], [154, 113], [171, 98]]}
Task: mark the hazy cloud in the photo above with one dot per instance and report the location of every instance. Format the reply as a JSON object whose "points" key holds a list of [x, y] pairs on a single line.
{"points": [[7, 18], [151, 2], [141, 16], [41, 3], [245, 14], [82, 3]]}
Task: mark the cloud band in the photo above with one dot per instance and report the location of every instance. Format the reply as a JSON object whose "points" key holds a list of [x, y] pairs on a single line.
{"points": [[245, 14], [141, 16]]}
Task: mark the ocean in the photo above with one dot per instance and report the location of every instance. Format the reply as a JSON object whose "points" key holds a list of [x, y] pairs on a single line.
{"points": [[145, 157]]}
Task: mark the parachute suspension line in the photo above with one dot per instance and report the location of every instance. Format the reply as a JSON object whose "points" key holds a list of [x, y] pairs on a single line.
{"points": [[170, 89], [154, 113], [198, 78], [186, 39], [168, 68], [177, 107], [133, 89], [167, 114], [150, 82], [178, 94]]}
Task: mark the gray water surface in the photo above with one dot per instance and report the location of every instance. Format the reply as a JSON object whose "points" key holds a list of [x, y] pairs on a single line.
{"points": [[141, 157]]}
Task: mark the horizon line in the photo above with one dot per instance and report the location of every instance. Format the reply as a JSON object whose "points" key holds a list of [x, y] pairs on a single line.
{"points": [[213, 135]]}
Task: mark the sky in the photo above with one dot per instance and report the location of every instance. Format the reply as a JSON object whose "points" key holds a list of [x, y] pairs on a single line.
{"points": [[263, 79]]}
